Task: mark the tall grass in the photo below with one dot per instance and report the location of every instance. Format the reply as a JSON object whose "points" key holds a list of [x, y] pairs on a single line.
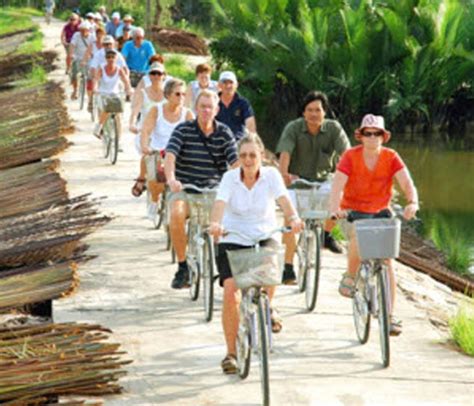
{"points": [[33, 44], [462, 329], [12, 20], [177, 67]]}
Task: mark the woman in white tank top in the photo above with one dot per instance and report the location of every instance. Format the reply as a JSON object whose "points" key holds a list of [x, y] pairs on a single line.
{"points": [[108, 77], [147, 97], [159, 123]]}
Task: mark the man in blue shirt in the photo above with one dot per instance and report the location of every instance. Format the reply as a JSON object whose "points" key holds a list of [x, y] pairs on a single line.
{"points": [[234, 110], [113, 24], [137, 54]]}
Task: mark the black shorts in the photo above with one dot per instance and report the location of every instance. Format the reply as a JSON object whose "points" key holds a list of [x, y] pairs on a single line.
{"points": [[223, 265]]}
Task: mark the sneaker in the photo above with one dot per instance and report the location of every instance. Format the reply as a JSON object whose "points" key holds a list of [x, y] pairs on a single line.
{"points": [[289, 277], [152, 210], [395, 328], [331, 244], [181, 278], [98, 130]]}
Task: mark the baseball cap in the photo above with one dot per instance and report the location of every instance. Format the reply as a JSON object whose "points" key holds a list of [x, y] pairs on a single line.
{"points": [[90, 14], [157, 67], [116, 14], [85, 26], [111, 52], [97, 16], [227, 75], [108, 39]]}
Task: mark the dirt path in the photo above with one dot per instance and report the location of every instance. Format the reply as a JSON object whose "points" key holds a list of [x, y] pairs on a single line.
{"points": [[316, 359]]}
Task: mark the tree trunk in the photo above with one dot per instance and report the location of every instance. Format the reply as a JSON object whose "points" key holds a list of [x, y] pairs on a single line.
{"points": [[148, 15], [157, 13]]}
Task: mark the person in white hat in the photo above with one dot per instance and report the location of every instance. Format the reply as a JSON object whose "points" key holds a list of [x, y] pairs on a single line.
{"points": [[113, 24], [234, 110], [78, 53], [363, 187], [103, 13], [127, 22]]}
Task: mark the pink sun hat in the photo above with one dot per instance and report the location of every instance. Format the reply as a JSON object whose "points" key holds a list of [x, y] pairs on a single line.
{"points": [[372, 121]]}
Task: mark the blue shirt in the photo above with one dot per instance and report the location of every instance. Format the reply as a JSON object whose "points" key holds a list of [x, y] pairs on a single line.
{"points": [[196, 163], [235, 115], [137, 58], [111, 28]]}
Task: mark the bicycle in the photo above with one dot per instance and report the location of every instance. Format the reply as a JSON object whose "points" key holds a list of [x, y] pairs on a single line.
{"points": [[252, 269], [200, 252], [82, 85], [112, 104], [154, 170], [311, 204], [378, 239]]}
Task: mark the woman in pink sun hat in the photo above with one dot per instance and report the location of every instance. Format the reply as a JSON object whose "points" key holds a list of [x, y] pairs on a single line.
{"points": [[363, 184]]}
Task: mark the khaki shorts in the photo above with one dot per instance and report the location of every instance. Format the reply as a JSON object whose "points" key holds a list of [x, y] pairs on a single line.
{"points": [[75, 69], [174, 196]]}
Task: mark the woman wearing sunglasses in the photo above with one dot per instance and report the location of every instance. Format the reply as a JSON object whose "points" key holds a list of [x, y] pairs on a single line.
{"points": [[363, 184], [159, 123]]}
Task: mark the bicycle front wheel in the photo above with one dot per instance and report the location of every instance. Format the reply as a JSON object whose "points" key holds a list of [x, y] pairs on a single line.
{"points": [[360, 310], [208, 271], [383, 316], [160, 214], [195, 261], [114, 139], [82, 91], [301, 261], [313, 262], [106, 139], [263, 350], [244, 346]]}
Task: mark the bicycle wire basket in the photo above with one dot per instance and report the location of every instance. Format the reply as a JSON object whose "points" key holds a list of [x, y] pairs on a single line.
{"points": [[200, 206], [112, 103], [252, 267], [312, 202], [378, 238]]}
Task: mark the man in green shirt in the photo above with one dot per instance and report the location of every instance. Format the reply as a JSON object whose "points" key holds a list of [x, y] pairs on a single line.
{"points": [[309, 148]]}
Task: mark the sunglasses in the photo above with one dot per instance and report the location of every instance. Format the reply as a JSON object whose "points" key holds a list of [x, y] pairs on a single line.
{"points": [[155, 73], [110, 57], [373, 133], [179, 94], [244, 155]]}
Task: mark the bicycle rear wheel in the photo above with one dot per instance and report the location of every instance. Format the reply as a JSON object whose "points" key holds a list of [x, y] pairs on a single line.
{"points": [[301, 261], [383, 316], [82, 91], [263, 350], [160, 214], [208, 276], [313, 262], [114, 139], [360, 310]]}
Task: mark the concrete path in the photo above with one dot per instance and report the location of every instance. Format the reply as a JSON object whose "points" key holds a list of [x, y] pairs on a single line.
{"points": [[317, 359]]}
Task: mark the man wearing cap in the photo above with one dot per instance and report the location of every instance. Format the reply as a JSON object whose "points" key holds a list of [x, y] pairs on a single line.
{"points": [[198, 153], [67, 32], [113, 24], [78, 52], [127, 22], [234, 110], [309, 148], [137, 54], [103, 13]]}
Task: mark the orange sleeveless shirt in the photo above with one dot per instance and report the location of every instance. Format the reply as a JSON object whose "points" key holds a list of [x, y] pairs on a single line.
{"points": [[368, 191]]}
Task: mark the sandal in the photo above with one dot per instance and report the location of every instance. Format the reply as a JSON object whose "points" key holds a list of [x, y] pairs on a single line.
{"points": [[277, 324], [229, 364], [139, 187], [395, 327], [346, 285]]}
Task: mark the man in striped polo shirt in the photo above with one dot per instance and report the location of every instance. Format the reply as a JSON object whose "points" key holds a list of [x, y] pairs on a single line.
{"points": [[198, 153]]}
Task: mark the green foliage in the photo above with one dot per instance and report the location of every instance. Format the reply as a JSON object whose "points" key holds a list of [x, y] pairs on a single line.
{"points": [[177, 67], [404, 59], [33, 44], [12, 20], [462, 329], [37, 76]]}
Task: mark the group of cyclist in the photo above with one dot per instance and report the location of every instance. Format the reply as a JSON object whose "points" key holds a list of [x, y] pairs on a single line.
{"points": [[206, 136]]}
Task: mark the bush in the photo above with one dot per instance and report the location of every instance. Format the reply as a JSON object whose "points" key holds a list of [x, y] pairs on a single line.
{"points": [[462, 329]]}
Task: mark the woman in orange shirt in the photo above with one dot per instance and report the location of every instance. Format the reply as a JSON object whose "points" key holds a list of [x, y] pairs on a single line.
{"points": [[363, 184]]}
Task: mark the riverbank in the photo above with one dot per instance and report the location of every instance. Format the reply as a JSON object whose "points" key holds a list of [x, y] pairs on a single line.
{"points": [[316, 359]]}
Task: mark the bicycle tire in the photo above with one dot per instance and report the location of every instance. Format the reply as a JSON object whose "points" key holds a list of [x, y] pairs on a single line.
{"points": [[263, 352], [208, 272], [160, 214], [194, 263], [313, 265], [244, 351], [106, 140], [361, 310], [383, 316], [94, 111], [82, 91], [300, 259], [114, 139]]}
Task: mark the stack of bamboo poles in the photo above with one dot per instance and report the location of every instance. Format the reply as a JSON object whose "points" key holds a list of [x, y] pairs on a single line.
{"points": [[52, 234], [57, 359], [29, 188]]}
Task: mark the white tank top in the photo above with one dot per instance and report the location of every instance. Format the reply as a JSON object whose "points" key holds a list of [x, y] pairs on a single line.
{"points": [[146, 106], [163, 128], [109, 84], [195, 88]]}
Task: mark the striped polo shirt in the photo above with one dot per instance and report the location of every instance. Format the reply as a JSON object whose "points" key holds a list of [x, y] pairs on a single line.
{"points": [[194, 162]]}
